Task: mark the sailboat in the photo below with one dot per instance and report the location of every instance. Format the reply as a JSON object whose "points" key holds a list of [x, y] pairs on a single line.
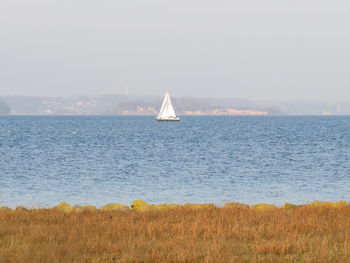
{"points": [[167, 112]]}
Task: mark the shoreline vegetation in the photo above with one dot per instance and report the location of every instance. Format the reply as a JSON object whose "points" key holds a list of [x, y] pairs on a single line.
{"points": [[189, 233]]}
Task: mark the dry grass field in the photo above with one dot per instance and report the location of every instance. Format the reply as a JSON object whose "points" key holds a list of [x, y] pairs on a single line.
{"points": [[182, 234]]}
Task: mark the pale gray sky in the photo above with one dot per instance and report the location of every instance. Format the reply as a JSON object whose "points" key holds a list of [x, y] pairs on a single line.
{"points": [[271, 49]]}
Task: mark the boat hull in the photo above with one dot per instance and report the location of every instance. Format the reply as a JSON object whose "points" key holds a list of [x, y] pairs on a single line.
{"points": [[174, 119]]}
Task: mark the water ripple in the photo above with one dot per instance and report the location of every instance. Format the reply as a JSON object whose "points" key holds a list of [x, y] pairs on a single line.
{"points": [[96, 160]]}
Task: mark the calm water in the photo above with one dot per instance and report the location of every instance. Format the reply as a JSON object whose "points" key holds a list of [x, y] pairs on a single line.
{"points": [[97, 160]]}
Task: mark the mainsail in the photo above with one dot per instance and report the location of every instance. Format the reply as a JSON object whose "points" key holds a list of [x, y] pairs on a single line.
{"points": [[167, 112]]}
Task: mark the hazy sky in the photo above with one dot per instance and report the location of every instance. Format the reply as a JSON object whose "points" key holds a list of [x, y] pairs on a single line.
{"points": [[271, 49]]}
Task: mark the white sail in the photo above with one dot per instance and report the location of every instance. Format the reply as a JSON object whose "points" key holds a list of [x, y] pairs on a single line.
{"points": [[167, 110]]}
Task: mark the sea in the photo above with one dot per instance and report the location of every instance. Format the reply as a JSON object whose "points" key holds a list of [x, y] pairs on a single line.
{"points": [[94, 160]]}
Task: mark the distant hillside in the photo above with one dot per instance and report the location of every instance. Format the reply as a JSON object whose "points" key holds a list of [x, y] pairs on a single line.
{"points": [[132, 105], [4, 108], [148, 105]]}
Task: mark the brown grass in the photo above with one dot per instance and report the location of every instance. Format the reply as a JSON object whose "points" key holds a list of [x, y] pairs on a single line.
{"points": [[188, 235]]}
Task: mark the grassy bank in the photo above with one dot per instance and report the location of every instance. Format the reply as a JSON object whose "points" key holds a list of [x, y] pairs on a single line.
{"points": [[236, 233]]}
